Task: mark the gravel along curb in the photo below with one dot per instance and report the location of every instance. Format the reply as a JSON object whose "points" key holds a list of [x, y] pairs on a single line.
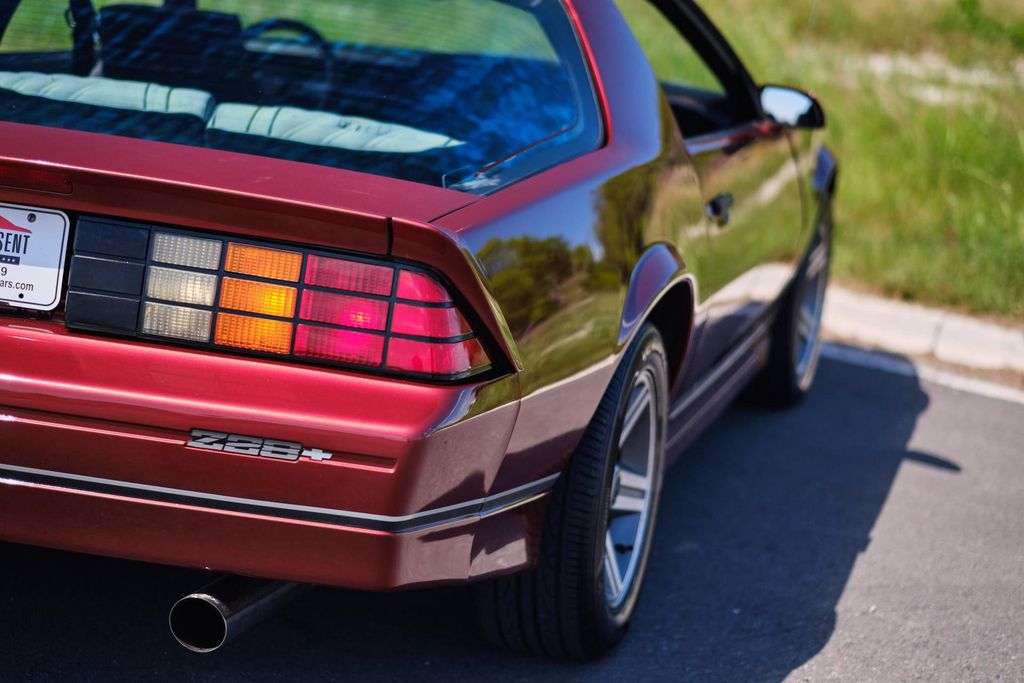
{"points": [[918, 331]]}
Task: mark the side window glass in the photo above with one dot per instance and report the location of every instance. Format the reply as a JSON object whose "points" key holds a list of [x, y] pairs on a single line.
{"points": [[675, 61]]}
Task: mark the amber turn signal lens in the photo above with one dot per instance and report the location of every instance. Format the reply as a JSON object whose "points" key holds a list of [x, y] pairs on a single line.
{"points": [[254, 334], [258, 297], [272, 264]]}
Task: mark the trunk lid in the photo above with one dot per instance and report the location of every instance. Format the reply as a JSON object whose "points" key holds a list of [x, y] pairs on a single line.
{"points": [[228, 192]]}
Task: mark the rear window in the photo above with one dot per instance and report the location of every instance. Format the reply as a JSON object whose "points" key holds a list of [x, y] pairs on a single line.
{"points": [[466, 94]]}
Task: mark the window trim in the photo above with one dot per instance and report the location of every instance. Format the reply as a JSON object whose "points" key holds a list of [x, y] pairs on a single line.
{"points": [[695, 27], [591, 114]]}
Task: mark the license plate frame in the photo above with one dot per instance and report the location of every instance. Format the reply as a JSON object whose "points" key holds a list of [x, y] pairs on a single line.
{"points": [[33, 253]]}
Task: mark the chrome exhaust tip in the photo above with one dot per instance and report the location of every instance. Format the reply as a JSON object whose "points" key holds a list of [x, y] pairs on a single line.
{"points": [[198, 622], [207, 619]]}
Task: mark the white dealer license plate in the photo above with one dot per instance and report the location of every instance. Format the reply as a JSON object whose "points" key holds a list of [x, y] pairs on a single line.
{"points": [[32, 247]]}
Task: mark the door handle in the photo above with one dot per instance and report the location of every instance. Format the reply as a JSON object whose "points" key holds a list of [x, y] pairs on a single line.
{"points": [[718, 208]]}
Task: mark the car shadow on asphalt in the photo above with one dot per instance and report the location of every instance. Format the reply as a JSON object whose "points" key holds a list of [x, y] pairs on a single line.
{"points": [[760, 525]]}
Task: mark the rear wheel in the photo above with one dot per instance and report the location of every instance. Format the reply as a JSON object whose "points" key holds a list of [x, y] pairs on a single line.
{"points": [[796, 334], [597, 534]]}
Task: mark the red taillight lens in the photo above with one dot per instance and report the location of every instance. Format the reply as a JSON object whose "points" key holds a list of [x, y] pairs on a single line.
{"points": [[347, 311], [435, 358], [35, 179], [443, 343], [349, 276], [425, 335], [422, 288], [343, 346], [421, 321]]}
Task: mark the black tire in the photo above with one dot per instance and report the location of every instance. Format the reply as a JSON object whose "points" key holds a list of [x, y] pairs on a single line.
{"points": [[791, 367], [562, 608]]}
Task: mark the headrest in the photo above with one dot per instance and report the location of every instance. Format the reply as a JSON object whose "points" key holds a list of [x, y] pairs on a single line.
{"points": [[325, 129], [108, 92]]}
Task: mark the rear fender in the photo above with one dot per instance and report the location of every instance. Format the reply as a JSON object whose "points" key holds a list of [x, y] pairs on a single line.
{"points": [[442, 250], [660, 272]]}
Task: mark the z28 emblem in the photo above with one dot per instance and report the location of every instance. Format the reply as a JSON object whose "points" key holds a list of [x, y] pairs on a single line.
{"points": [[254, 445]]}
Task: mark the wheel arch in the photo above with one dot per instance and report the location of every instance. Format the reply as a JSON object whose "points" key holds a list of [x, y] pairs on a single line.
{"points": [[663, 292]]}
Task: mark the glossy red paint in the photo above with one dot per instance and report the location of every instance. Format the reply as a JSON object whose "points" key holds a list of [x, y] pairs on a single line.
{"points": [[71, 407], [566, 203], [71, 401], [260, 546], [121, 410], [111, 409]]}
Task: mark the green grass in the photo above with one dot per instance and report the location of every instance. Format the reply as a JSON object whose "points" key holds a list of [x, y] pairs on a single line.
{"points": [[930, 206]]}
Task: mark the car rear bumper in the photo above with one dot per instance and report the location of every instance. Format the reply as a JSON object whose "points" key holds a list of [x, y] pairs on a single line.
{"points": [[95, 460], [260, 545]]}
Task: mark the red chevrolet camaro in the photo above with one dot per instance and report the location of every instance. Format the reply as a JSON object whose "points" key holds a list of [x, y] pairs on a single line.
{"points": [[390, 294]]}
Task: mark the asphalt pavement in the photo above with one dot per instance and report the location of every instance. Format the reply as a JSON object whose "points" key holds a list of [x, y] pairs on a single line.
{"points": [[875, 533]]}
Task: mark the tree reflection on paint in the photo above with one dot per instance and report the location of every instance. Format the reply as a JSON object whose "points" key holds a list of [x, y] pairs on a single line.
{"points": [[534, 278]]}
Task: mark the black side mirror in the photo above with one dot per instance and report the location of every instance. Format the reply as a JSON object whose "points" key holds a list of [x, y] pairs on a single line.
{"points": [[791, 107]]}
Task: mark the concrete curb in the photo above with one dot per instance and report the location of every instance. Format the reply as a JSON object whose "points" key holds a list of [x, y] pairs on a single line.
{"points": [[913, 330]]}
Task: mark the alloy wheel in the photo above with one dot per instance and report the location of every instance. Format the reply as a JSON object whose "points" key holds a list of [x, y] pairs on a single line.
{"points": [[809, 314], [632, 494]]}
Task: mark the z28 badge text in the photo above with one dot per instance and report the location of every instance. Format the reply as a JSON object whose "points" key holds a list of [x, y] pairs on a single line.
{"points": [[254, 445]]}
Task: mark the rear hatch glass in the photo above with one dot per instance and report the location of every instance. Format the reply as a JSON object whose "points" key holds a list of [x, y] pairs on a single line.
{"points": [[464, 94]]}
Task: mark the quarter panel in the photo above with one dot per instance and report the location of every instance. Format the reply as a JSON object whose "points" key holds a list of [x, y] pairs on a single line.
{"points": [[558, 251]]}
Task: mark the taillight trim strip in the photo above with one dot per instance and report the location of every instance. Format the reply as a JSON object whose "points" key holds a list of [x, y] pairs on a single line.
{"points": [[495, 367]]}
